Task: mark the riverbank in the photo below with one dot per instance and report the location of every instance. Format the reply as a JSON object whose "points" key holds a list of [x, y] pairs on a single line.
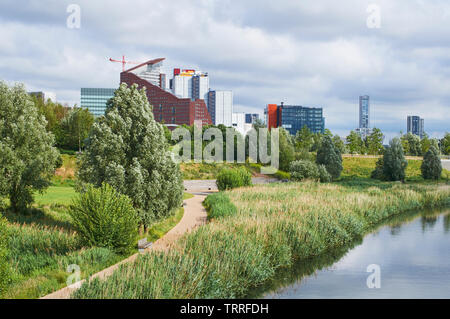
{"points": [[274, 225]]}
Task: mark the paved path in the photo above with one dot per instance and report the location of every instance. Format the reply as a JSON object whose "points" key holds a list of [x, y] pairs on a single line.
{"points": [[194, 216], [199, 185], [446, 164]]}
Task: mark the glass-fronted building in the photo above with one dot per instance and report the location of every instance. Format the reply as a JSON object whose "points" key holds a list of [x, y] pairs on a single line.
{"points": [[294, 117], [94, 99], [415, 125]]}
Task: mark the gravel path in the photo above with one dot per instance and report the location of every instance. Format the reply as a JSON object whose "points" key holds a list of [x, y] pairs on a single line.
{"points": [[198, 185], [194, 216]]}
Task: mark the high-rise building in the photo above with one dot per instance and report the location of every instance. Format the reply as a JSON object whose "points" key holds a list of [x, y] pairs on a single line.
{"points": [[415, 125], [364, 116], [167, 107], [94, 99], [238, 122], [251, 118], [188, 83], [220, 107], [294, 117], [200, 86]]}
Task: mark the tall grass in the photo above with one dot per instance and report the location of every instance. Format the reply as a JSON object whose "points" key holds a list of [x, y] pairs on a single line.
{"points": [[273, 226]]}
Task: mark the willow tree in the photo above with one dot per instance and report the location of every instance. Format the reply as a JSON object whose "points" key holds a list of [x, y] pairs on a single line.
{"points": [[127, 149], [27, 155]]}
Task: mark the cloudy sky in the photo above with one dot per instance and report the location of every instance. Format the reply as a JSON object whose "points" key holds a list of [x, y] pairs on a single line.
{"points": [[321, 53]]}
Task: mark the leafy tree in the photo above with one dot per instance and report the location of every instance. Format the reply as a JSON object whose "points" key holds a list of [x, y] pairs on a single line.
{"points": [[431, 165], [127, 149], [5, 267], [303, 169], [286, 149], [375, 142], [330, 156], [75, 128], [304, 139], [355, 144], [394, 162], [411, 144], [339, 143], [445, 144], [27, 155]]}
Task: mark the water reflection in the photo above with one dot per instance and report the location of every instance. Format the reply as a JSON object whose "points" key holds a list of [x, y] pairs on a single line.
{"points": [[413, 253]]}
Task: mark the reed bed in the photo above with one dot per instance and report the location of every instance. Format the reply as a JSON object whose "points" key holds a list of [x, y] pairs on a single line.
{"points": [[273, 226]]}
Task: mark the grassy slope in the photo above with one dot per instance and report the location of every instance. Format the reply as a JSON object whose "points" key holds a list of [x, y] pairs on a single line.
{"points": [[273, 226]]}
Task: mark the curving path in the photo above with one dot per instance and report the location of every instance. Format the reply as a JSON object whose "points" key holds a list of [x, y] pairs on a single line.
{"points": [[194, 216]]}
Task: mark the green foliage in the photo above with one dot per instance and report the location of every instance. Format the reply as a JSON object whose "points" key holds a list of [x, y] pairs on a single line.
{"points": [[286, 150], [75, 127], [330, 156], [355, 144], [301, 170], [378, 172], [339, 143], [127, 149], [230, 178], [27, 155], [105, 218], [324, 176], [282, 175], [411, 144], [445, 144], [394, 162], [431, 166], [219, 205], [375, 142], [304, 139], [5, 267]]}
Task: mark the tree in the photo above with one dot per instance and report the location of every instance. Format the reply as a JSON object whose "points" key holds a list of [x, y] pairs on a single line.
{"points": [[445, 144], [339, 143], [411, 144], [287, 153], [375, 142], [330, 156], [431, 165], [75, 128], [5, 267], [394, 162], [27, 155], [304, 139], [355, 144], [127, 149]]}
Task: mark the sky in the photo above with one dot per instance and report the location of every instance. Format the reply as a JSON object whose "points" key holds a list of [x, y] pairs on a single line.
{"points": [[313, 53]]}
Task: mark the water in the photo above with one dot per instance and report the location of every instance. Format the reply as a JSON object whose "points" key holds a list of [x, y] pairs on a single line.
{"points": [[412, 251]]}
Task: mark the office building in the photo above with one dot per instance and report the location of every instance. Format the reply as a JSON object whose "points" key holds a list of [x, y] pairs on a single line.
{"points": [[364, 116], [176, 108], [251, 118], [238, 122], [94, 99], [415, 125], [294, 117], [220, 107]]}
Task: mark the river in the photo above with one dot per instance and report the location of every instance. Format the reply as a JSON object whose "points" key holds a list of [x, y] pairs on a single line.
{"points": [[406, 257]]}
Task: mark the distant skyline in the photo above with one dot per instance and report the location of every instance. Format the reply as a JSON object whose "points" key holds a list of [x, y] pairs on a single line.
{"points": [[316, 54]]}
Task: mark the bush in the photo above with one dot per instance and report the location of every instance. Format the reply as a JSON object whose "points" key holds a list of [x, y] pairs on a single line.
{"points": [[301, 170], [232, 178], [105, 218], [324, 176], [431, 166], [5, 269], [219, 205], [282, 175], [377, 173], [330, 156], [394, 162]]}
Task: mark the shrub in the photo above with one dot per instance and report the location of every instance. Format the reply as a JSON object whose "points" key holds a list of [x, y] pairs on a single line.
{"points": [[431, 166], [301, 170], [219, 205], [330, 156], [105, 218], [282, 175], [5, 268], [377, 173], [324, 176], [230, 178], [394, 162]]}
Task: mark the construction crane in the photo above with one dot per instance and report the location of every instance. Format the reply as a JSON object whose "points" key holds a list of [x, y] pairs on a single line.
{"points": [[123, 62]]}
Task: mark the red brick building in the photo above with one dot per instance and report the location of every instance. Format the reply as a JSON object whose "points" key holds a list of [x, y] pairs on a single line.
{"points": [[166, 106]]}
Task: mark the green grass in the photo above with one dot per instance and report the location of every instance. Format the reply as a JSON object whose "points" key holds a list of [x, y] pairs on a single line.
{"points": [[206, 170], [273, 226], [55, 195]]}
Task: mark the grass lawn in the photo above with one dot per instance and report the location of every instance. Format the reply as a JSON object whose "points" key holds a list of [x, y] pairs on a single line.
{"points": [[55, 195]]}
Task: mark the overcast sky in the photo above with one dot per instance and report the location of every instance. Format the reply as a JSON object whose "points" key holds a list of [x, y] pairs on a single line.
{"points": [[318, 53]]}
